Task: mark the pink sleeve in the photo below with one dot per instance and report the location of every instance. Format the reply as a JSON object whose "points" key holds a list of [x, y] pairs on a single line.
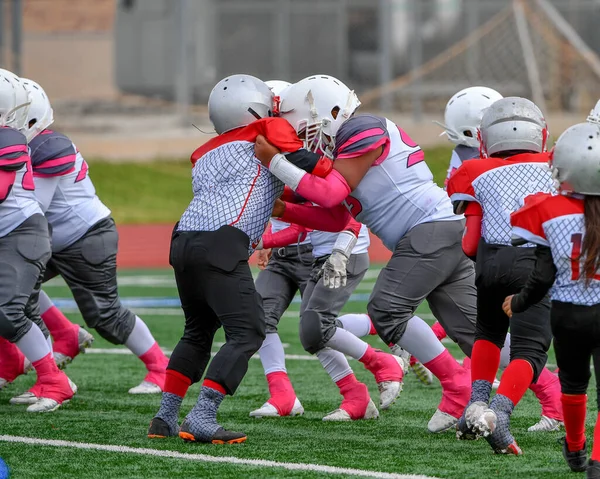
{"points": [[287, 236], [326, 192], [333, 219], [353, 226]]}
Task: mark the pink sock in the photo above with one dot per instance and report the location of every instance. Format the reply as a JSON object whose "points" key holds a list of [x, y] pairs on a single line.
{"points": [[64, 332], [51, 383], [438, 330], [455, 381], [356, 396], [467, 364], [547, 390], [383, 365], [12, 361], [156, 363], [282, 392]]}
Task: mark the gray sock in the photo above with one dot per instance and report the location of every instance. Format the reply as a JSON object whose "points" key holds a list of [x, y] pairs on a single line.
{"points": [[202, 419], [169, 410], [501, 437], [481, 391]]}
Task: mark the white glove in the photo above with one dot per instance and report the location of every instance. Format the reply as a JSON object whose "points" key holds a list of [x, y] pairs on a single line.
{"points": [[334, 270]]}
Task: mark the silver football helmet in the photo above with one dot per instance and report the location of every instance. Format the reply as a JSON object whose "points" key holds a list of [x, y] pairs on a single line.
{"points": [[594, 116], [575, 160], [316, 107], [513, 124], [237, 101], [464, 112]]}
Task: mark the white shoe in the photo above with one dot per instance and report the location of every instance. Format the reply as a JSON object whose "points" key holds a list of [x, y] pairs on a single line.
{"points": [[473, 412], [441, 421], [146, 387], [495, 384], [403, 354], [342, 415], [49, 405], [268, 410], [26, 398], [423, 374], [390, 390], [84, 339], [3, 383], [546, 424], [486, 424]]}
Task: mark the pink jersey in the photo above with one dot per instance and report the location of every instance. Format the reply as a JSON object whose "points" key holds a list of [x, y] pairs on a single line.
{"points": [[17, 197], [558, 222], [500, 187], [398, 191], [64, 188]]}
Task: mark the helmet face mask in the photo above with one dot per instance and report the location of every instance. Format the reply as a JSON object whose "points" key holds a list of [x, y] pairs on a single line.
{"points": [[316, 107], [575, 160], [464, 112], [40, 115], [237, 101], [512, 124]]}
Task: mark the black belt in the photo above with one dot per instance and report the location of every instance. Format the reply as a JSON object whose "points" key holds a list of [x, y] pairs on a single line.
{"points": [[292, 250]]}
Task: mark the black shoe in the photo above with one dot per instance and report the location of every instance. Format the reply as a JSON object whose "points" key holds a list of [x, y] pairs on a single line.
{"points": [[593, 470], [577, 460], [222, 436], [159, 429]]}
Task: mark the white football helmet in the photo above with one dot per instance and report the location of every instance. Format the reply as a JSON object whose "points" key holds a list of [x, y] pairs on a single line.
{"points": [[464, 112], [40, 115], [237, 101], [512, 124], [14, 101], [277, 86], [575, 160], [316, 107], [594, 116]]}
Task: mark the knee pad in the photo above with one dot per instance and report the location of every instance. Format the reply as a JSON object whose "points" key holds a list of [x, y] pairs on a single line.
{"points": [[12, 329], [117, 327], [311, 332]]}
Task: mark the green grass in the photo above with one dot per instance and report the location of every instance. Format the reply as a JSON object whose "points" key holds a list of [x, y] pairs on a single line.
{"points": [[158, 192], [103, 412]]}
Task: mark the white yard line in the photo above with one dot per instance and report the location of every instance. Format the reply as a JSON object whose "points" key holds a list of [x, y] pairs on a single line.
{"points": [[121, 351], [214, 459]]}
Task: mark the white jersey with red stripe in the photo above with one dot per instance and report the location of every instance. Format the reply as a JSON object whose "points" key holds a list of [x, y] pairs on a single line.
{"points": [[558, 222], [500, 186], [278, 225], [17, 197], [61, 175], [398, 192], [323, 242], [230, 186]]}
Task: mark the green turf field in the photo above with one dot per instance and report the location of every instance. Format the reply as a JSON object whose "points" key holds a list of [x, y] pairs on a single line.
{"points": [[158, 192], [103, 413]]}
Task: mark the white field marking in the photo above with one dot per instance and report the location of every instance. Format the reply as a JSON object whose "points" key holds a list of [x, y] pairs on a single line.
{"points": [[214, 459], [125, 351]]}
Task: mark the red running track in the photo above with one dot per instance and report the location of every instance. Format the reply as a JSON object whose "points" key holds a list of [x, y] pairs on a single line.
{"points": [[147, 246]]}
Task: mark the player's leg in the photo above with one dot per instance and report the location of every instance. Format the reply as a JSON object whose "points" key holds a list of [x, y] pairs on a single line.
{"points": [[423, 259], [89, 267], [319, 329], [277, 286], [23, 255], [593, 469], [575, 333]]}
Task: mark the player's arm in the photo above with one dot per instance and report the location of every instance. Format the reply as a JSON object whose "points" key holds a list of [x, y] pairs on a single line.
{"points": [[539, 282], [335, 272], [14, 155], [45, 187], [54, 156], [332, 219], [285, 237], [460, 189], [472, 235]]}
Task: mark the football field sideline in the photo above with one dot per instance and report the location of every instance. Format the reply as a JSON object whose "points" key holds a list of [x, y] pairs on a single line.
{"points": [[322, 469]]}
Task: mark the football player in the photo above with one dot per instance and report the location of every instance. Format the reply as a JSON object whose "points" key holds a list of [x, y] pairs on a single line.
{"points": [[566, 231]]}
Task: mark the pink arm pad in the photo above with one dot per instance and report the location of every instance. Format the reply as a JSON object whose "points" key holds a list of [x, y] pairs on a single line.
{"points": [[287, 236], [326, 192], [332, 219], [353, 226]]}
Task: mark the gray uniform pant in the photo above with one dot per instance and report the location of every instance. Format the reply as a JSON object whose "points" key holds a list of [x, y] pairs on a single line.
{"points": [[89, 267], [321, 306], [428, 263], [23, 256], [287, 272]]}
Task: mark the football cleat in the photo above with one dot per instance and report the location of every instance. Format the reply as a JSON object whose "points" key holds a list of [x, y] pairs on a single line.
{"points": [[423, 374], [160, 429], [342, 415], [593, 470], [494, 426], [49, 405], [440, 422], [146, 387], [577, 460], [403, 354], [473, 412], [390, 390], [84, 339], [222, 436], [268, 410], [546, 424], [495, 384]]}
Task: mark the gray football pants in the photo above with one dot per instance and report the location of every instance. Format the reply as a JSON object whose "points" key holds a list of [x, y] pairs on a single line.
{"points": [[287, 272], [428, 264], [89, 267], [321, 306], [23, 256]]}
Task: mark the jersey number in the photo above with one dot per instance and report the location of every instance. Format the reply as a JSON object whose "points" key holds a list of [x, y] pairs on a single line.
{"points": [[82, 173], [576, 239], [353, 206]]}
